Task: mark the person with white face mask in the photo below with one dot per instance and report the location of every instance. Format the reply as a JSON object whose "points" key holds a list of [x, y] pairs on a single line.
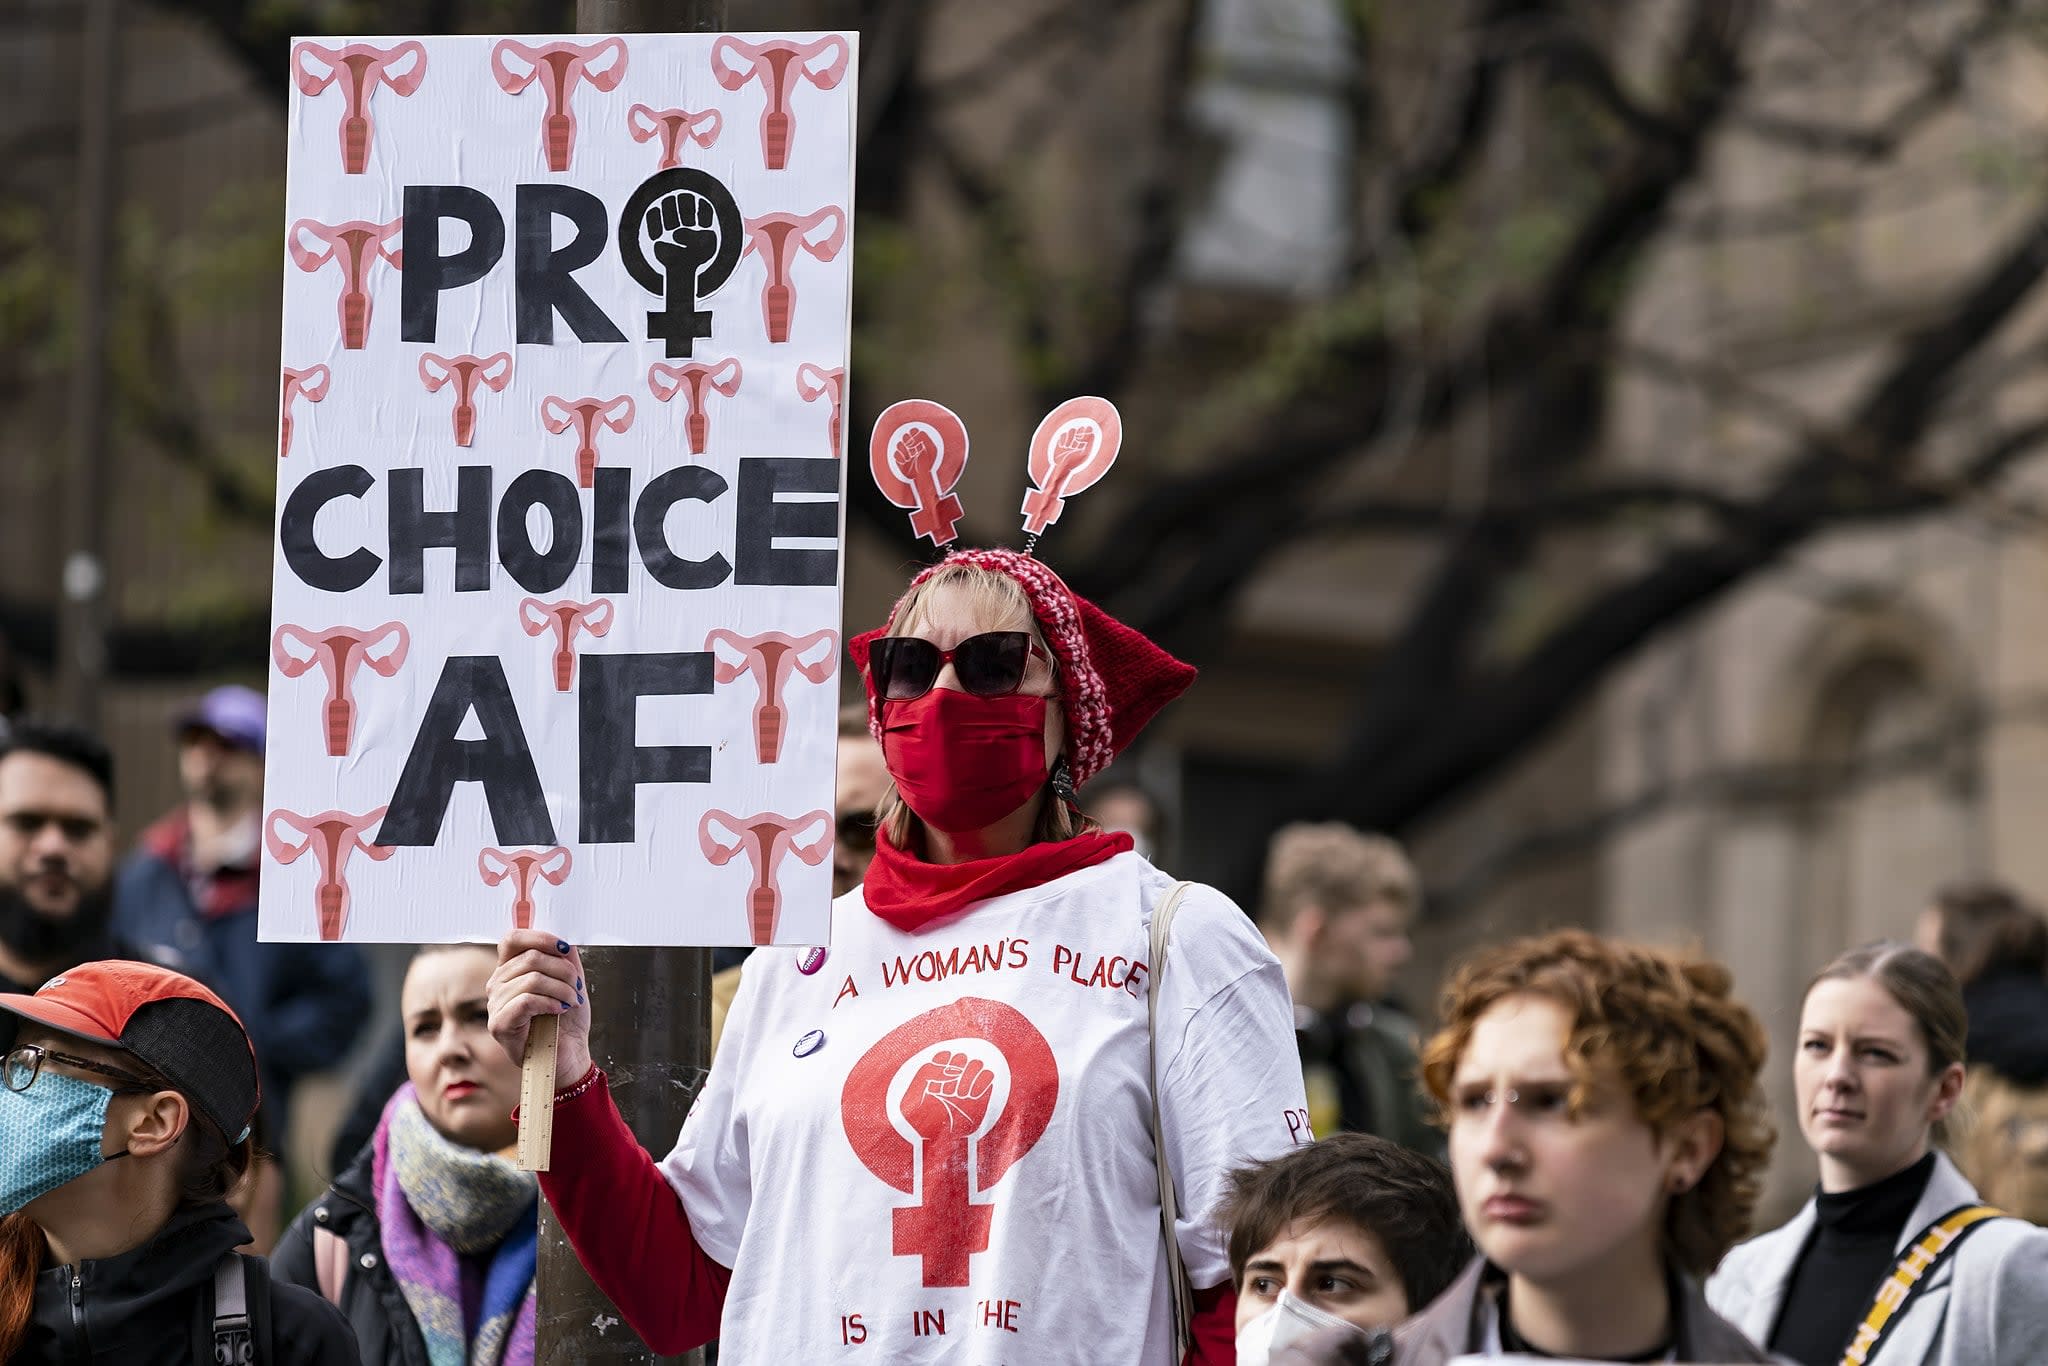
{"points": [[1349, 1234], [1896, 1256]]}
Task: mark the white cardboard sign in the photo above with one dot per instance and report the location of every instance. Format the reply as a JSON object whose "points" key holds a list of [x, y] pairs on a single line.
{"points": [[557, 587]]}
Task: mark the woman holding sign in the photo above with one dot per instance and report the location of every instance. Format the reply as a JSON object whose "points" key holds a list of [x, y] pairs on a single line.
{"points": [[945, 1138], [1895, 1255]]}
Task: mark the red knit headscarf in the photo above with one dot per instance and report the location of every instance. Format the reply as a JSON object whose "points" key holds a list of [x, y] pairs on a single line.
{"points": [[1112, 680]]}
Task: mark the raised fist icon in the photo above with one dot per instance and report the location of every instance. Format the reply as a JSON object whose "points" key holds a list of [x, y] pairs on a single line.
{"points": [[683, 228], [680, 235], [948, 1098]]}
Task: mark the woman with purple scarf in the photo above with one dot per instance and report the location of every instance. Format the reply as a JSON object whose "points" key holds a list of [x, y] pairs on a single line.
{"points": [[427, 1241]]}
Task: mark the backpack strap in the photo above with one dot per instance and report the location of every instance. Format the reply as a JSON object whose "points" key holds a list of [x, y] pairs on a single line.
{"points": [[234, 1339], [1933, 1245], [1182, 1297], [330, 1264]]}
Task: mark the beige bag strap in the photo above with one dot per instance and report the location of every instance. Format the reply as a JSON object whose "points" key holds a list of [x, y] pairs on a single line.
{"points": [[330, 1264], [1169, 1206]]}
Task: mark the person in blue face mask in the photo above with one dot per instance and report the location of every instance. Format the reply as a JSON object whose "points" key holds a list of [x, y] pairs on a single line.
{"points": [[126, 1097]]}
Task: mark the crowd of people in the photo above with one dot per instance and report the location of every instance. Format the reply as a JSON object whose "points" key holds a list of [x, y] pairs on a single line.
{"points": [[1036, 1100]]}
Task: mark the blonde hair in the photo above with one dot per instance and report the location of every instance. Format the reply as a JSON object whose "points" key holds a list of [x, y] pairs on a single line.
{"points": [[999, 602], [1335, 867]]}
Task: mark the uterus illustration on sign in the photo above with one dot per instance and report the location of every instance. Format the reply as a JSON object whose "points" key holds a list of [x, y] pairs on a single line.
{"points": [[465, 373], [777, 238], [339, 652], [359, 68], [778, 65], [311, 385], [357, 244], [766, 839], [558, 68], [977, 1083], [521, 867], [673, 127], [567, 619], [332, 836], [771, 658], [695, 381]]}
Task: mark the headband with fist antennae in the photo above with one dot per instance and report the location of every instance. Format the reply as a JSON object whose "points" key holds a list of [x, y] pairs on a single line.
{"points": [[918, 452]]}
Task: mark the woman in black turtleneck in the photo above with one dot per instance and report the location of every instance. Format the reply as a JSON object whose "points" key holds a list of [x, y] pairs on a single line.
{"points": [[1877, 1070]]}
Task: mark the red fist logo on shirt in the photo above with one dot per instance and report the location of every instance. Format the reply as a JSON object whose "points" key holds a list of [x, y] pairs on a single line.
{"points": [[948, 1098]]}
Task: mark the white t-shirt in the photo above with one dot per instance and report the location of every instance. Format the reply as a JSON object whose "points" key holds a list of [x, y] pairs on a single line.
{"points": [[938, 1146]]}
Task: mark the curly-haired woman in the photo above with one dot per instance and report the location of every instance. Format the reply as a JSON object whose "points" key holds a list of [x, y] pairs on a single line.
{"points": [[1606, 1134]]}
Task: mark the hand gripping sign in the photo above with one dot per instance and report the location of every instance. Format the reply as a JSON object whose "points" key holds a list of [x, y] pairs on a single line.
{"points": [[522, 866], [309, 384], [361, 68], [766, 838], [356, 244], [1074, 446], [585, 415], [332, 836], [917, 453], [340, 651], [961, 1127], [770, 657], [565, 618], [776, 237], [558, 67], [691, 379], [466, 372], [814, 382], [777, 66], [672, 126]]}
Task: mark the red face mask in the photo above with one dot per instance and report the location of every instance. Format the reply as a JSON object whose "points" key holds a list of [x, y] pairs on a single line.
{"points": [[964, 762]]}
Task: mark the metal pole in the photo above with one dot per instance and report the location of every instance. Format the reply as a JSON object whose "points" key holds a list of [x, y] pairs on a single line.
{"points": [[650, 1026], [82, 617]]}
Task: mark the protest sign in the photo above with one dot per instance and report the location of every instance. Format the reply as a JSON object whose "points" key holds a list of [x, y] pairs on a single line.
{"points": [[557, 587]]}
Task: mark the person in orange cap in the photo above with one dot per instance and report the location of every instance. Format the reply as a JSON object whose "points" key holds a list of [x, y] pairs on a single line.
{"points": [[946, 1136], [127, 1092]]}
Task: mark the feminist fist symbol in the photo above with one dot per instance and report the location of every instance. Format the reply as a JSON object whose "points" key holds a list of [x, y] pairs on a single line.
{"points": [[948, 1098]]}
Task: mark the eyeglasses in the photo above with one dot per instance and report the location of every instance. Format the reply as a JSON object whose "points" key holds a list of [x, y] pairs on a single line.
{"points": [[989, 665], [23, 1065], [857, 830]]}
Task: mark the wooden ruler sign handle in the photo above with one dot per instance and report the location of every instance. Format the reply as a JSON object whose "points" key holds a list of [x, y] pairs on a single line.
{"points": [[537, 1095]]}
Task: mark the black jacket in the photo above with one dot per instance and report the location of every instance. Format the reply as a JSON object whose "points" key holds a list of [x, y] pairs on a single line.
{"points": [[375, 1306], [155, 1305]]}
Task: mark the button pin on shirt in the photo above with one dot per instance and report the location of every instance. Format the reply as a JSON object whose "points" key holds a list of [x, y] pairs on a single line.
{"points": [[809, 1044], [810, 961]]}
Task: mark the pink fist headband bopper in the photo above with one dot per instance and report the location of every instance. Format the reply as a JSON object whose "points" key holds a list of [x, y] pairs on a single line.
{"points": [[918, 451]]}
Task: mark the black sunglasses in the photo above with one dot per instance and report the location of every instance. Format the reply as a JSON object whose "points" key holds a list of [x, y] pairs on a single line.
{"points": [[988, 665]]}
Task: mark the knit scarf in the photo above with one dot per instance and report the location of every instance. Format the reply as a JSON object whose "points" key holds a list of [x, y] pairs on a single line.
{"points": [[910, 893], [436, 1202]]}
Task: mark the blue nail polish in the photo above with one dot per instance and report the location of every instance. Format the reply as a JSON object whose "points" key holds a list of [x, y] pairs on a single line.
{"points": [[561, 946], [565, 1007], [579, 985], [579, 998]]}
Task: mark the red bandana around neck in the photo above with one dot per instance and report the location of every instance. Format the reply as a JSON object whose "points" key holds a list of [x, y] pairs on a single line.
{"points": [[910, 893]]}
